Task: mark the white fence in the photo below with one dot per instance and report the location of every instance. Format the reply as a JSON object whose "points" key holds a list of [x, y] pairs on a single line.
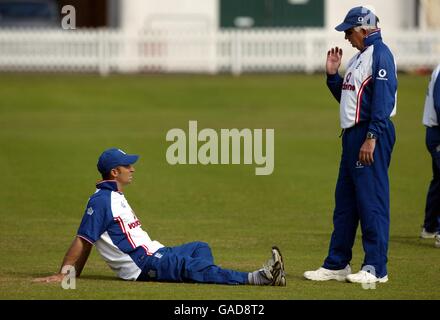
{"points": [[266, 50]]}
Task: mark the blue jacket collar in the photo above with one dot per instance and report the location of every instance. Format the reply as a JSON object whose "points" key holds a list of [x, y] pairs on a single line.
{"points": [[372, 38], [108, 184]]}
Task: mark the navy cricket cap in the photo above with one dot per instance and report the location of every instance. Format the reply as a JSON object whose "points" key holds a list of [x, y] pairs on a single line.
{"points": [[111, 158], [356, 17]]}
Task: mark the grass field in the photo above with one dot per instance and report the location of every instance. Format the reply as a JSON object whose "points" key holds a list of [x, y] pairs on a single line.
{"points": [[53, 128]]}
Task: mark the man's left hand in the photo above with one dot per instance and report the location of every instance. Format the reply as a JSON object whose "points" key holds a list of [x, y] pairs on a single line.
{"points": [[54, 278], [367, 151]]}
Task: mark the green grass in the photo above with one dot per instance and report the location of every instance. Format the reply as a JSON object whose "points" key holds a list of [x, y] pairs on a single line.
{"points": [[53, 128]]}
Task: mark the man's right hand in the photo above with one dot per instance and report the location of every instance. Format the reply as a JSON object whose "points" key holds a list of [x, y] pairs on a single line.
{"points": [[55, 278], [334, 58]]}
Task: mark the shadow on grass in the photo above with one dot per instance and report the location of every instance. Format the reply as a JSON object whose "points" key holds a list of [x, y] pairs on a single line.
{"points": [[101, 277], [413, 241]]}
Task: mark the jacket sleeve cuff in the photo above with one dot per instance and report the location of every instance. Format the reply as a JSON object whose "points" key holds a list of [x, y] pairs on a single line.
{"points": [[374, 131], [333, 77]]}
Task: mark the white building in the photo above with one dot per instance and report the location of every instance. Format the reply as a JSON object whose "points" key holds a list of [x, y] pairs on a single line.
{"points": [[205, 14], [216, 36]]}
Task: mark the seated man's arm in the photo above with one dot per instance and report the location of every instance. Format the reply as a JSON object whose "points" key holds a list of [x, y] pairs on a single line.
{"points": [[76, 256]]}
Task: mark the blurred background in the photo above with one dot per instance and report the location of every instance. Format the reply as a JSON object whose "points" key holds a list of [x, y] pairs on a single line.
{"points": [[204, 36]]}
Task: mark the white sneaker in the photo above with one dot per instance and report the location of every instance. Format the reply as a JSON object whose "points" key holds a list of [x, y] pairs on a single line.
{"points": [[427, 235], [365, 277], [437, 241], [323, 274]]}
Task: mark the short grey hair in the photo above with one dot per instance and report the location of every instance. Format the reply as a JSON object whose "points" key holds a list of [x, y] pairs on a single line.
{"points": [[367, 28]]}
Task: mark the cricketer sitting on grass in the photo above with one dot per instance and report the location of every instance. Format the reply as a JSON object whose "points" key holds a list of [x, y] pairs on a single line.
{"points": [[431, 116], [367, 96], [110, 224]]}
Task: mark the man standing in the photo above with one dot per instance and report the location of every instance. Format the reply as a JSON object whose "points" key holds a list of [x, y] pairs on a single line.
{"points": [[431, 116], [367, 97], [111, 225]]}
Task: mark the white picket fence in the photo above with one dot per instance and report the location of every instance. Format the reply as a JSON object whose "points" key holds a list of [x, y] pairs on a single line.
{"points": [[236, 51]]}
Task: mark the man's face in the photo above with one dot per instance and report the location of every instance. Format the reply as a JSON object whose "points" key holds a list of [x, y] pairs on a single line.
{"points": [[123, 174], [356, 38]]}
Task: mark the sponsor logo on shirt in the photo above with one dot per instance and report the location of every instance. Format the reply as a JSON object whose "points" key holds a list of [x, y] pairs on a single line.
{"points": [[382, 74], [135, 224], [347, 85], [90, 211]]}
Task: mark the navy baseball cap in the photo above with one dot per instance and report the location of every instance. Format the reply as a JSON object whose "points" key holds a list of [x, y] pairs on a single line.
{"points": [[356, 17], [111, 158]]}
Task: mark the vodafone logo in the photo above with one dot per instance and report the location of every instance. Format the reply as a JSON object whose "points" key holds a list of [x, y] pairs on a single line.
{"points": [[135, 224], [347, 85], [382, 73]]}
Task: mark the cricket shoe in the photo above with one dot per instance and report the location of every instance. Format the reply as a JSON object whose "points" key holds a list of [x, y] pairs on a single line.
{"points": [[278, 273], [437, 241], [323, 274], [365, 277], [427, 235], [261, 277]]}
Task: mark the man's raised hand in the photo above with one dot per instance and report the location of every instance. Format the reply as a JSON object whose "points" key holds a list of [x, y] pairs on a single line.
{"points": [[334, 58]]}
